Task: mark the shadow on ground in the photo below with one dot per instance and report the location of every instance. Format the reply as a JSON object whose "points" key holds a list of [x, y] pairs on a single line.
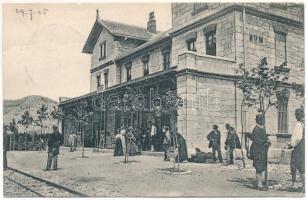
{"points": [[250, 182]]}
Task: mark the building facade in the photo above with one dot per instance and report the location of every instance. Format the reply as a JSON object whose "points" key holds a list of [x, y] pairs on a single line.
{"points": [[196, 60]]}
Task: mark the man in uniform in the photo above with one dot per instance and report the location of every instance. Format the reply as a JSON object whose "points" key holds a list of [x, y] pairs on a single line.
{"points": [[55, 140], [214, 138]]}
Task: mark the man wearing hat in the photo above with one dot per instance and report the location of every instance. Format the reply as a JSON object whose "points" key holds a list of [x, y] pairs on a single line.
{"points": [[258, 149], [214, 138], [55, 140]]}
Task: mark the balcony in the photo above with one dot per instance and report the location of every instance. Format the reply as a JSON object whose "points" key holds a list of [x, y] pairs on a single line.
{"points": [[207, 64]]}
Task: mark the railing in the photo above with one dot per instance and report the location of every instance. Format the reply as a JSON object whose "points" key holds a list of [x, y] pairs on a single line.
{"points": [[206, 63]]}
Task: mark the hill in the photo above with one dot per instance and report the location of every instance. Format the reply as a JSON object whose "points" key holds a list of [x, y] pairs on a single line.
{"points": [[13, 109]]}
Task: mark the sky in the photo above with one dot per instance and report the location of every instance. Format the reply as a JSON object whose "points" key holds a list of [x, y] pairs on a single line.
{"points": [[42, 53]]}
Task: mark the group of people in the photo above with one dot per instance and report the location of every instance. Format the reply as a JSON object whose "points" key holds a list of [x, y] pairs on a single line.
{"points": [[132, 141], [127, 140], [232, 142]]}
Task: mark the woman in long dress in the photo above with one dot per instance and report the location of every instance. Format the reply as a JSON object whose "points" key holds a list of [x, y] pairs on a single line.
{"points": [[131, 142], [182, 147], [118, 150]]}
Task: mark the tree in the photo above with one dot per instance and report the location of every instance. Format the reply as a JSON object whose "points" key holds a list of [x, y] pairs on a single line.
{"points": [[260, 85], [13, 129], [82, 116], [57, 114], [172, 103], [42, 116], [26, 120]]}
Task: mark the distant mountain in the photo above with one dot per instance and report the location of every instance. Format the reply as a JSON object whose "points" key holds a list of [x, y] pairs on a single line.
{"points": [[13, 109]]}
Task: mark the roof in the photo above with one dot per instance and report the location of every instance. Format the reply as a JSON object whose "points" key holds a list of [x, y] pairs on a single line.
{"points": [[121, 29], [115, 28], [155, 39]]}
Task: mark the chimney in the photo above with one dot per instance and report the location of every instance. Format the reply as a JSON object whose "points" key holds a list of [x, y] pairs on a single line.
{"points": [[151, 24], [97, 14]]}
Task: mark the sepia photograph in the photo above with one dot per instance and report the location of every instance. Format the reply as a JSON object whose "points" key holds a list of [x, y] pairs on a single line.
{"points": [[153, 99]]}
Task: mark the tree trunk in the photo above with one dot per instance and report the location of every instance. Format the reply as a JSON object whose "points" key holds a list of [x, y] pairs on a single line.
{"points": [[82, 132], [25, 141], [242, 129]]}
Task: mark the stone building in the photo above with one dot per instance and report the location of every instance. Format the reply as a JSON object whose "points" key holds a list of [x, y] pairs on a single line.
{"points": [[197, 60]]}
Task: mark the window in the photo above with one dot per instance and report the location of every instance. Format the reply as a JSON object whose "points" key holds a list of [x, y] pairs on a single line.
{"points": [[280, 48], [145, 67], [106, 79], [198, 7], [191, 45], [98, 80], [256, 39], [102, 50], [282, 107], [211, 43], [145, 60], [166, 60], [128, 70]]}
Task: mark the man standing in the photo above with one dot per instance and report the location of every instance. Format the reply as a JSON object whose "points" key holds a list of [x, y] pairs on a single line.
{"points": [[214, 138], [152, 134], [71, 140], [55, 140], [166, 143], [230, 143], [298, 145], [258, 149]]}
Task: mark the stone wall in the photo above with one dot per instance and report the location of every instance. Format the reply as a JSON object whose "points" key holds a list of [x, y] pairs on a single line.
{"points": [[208, 101], [155, 64], [264, 28], [184, 13], [225, 46], [112, 71]]}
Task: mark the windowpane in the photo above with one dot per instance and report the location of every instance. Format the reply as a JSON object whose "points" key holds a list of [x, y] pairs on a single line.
{"points": [[128, 73], [106, 80], [282, 115], [211, 43], [166, 60], [98, 81], [146, 70], [191, 45]]}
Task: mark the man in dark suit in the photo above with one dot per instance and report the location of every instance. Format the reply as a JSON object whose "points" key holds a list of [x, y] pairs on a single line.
{"points": [[55, 140], [230, 143], [214, 138]]}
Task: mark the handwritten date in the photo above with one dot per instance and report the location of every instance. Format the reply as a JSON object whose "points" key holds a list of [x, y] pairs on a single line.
{"points": [[31, 12]]}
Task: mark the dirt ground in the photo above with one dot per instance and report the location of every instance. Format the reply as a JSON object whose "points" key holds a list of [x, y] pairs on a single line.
{"points": [[101, 175]]}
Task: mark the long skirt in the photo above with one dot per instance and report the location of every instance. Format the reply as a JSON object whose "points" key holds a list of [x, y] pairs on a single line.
{"points": [[183, 152], [132, 148], [118, 150]]}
